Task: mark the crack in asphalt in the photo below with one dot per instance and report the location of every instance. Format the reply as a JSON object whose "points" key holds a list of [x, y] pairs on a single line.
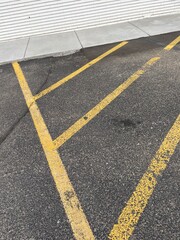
{"points": [[12, 128]]}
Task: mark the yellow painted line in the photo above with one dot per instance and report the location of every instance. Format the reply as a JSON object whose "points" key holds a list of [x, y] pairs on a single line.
{"points": [[67, 134], [72, 75], [72, 206], [172, 44], [59, 141], [139, 199]]}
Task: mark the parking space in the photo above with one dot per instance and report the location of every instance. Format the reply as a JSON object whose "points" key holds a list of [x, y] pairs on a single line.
{"points": [[89, 143]]}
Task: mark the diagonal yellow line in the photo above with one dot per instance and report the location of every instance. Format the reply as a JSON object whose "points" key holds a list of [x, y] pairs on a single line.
{"points": [[72, 206], [136, 204], [73, 209], [172, 44], [83, 68], [67, 134]]}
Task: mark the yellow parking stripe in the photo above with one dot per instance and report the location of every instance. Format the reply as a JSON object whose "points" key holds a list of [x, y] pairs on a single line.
{"points": [[72, 75], [139, 199], [73, 209], [66, 135], [172, 44], [72, 206], [59, 141]]}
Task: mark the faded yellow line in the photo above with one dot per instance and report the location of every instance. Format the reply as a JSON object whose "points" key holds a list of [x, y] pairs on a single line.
{"points": [[139, 199], [172, 44], [72, 206], [72, 75], [59, 141]]}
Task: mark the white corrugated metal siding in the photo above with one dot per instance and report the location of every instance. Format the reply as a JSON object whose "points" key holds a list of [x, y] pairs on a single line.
{"points": [[21, 18]]}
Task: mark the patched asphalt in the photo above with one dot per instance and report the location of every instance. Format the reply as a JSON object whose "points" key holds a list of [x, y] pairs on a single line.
{"points": [[106, 159]]}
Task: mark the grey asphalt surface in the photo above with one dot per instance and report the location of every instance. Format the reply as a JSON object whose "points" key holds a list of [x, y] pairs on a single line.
{"points": [[105, 159]]}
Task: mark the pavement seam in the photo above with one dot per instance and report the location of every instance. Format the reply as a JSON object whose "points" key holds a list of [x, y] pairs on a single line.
{"points": [[78, 39], [26, 48], [139, 29]]}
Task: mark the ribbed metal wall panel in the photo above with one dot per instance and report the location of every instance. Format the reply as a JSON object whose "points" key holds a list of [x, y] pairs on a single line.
{"points": [[21, 18]]}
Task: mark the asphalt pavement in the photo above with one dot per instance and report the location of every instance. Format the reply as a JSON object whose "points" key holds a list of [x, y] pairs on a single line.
{"points": [[105, 135]]}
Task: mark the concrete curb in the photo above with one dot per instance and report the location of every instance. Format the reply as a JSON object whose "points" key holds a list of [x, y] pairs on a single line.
{"points": [[70, 42]]}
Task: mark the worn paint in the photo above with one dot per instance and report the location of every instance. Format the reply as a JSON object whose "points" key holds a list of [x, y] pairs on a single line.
{"points": [[135, 206], [139, 199], [72, 206]]}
